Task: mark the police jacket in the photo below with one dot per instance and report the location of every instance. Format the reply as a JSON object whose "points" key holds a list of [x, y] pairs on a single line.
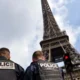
{"points": [[10, 70], [32, 72]]}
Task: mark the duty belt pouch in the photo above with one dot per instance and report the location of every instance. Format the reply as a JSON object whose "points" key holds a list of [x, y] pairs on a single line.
{"points": [[7, 70], [49, 71]]}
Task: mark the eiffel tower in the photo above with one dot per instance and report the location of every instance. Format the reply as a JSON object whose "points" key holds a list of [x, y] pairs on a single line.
{"points": [[56, 42]]}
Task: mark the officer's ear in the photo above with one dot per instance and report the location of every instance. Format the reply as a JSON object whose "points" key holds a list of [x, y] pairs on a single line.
{"points": [[43, 57]]}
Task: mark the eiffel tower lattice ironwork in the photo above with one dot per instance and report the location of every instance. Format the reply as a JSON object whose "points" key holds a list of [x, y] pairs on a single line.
{"points": [[55, 42]]}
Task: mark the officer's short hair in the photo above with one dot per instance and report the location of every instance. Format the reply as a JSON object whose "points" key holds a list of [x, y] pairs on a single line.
{"points": [[2, 50], [37, 54]]}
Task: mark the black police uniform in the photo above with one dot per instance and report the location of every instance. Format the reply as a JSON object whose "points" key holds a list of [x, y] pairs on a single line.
{"points": [[10, 70], [42, 70]]}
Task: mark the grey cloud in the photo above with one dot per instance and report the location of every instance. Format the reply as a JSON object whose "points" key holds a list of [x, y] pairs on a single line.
{"points": [[15, 20], [19, 21]]}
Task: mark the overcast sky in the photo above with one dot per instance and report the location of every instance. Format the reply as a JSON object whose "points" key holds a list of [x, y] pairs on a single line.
{"points": [[21, 25]]}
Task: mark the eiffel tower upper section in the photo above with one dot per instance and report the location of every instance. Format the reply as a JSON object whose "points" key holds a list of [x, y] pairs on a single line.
{"points": [[54, 39], [51, 28]]}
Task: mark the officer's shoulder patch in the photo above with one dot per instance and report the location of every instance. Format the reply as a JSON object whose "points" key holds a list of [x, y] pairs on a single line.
{"points": [[7, 65]]}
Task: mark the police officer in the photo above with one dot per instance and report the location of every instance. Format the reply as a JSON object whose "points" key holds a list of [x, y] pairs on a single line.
{"points": [[40, 69], [9, 70]]}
